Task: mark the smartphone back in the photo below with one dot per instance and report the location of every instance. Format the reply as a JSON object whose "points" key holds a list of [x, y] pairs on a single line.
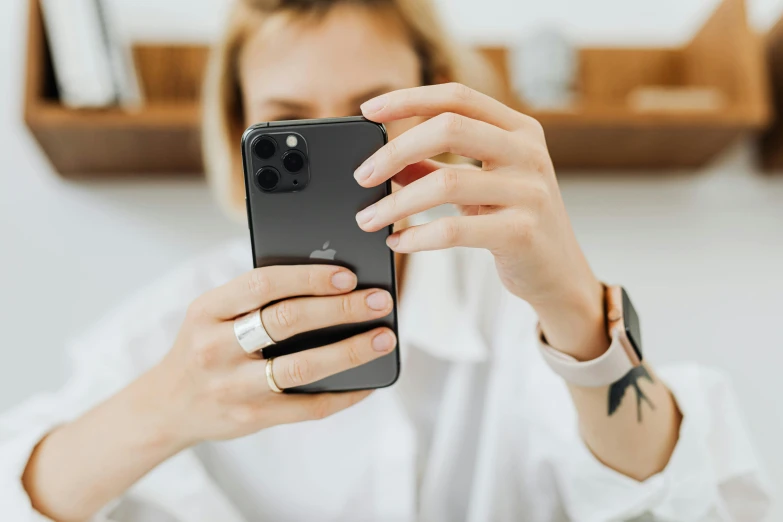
{"points": [[309, 218]]}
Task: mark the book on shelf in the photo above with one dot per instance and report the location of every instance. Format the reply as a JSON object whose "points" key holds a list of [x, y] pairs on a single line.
{"points": [[126, 81], [92, 65]]}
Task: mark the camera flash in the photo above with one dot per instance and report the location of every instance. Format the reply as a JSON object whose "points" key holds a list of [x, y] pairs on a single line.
{"points": [[291, 141]]}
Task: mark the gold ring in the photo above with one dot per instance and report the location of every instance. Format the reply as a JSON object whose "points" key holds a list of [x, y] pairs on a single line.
{"points": [[270, 377]]}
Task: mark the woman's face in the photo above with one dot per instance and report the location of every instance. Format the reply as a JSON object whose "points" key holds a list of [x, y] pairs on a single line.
{"points": [[301, 68]]}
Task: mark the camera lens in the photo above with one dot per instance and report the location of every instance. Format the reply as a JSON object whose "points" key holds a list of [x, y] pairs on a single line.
{"points": [[268, 178], [265, 147], [293, 161]]}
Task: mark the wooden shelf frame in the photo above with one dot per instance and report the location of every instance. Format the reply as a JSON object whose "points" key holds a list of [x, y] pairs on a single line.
{"points": [[161, 138], [601, 132], [771, 142]]}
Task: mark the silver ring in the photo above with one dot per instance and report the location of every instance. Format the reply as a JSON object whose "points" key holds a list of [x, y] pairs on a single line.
{"points": [[251, 334]]}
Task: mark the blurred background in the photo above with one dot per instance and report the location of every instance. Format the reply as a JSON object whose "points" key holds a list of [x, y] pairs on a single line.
{"points": [[669, 174]]}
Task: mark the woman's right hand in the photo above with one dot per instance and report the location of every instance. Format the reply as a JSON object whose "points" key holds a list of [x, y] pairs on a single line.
{"points": [[215, 391]]}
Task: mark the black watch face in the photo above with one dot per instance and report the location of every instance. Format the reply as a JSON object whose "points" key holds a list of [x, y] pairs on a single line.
{"points": [[632, 328]]}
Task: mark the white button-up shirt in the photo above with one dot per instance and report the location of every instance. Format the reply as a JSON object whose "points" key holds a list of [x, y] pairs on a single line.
{"points": [[478, 428]]}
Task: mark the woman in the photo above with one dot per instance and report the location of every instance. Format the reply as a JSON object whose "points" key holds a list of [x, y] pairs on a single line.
{"points": [[166, 418]]}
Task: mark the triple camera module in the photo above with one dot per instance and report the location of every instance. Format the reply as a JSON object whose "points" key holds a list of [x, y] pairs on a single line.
{"points": [[281, 154]]}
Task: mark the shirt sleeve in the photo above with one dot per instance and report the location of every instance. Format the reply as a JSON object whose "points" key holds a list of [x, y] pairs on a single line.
{"points": [[713, 474], [97, 373], [113, 353], [118, 349]]}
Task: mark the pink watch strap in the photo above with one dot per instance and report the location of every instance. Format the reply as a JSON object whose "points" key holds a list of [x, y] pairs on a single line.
{"points": [[605, 370]]}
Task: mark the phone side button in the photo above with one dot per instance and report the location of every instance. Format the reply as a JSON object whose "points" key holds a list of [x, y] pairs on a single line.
{"points": [[247, 209]]}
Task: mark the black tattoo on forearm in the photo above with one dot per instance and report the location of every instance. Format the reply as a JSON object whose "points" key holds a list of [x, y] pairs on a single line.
{"points": [[617, 391]]}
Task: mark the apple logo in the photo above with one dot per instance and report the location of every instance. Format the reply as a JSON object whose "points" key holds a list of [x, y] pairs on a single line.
{"points": [[326, 253]]}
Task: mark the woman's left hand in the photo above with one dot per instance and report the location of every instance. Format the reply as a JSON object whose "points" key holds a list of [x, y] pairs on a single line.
{"points": [[511, 205]]}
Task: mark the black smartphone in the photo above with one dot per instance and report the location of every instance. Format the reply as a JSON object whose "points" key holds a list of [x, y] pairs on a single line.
{"points": [[302, 200]]}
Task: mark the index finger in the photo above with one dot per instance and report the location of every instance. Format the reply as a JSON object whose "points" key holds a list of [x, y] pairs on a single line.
{"points": [[259, 287], [431, 100]]}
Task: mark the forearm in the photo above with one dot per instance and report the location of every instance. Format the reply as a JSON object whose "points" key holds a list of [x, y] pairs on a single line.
{"points": [[81, 466], [634, 434], [638, 437]]}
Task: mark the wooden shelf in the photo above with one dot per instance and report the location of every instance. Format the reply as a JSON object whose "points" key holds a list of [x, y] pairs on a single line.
{"points": [[601, 131], [161, 138], [771, 143]]}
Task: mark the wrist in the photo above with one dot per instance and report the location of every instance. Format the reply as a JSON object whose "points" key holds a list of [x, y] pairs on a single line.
{"points": [[159, 418], [575, 322]]}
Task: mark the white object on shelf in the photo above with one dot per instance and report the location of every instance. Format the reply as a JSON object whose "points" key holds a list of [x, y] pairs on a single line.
{"points": [[80, 54], [126, 81], [544, 69]]}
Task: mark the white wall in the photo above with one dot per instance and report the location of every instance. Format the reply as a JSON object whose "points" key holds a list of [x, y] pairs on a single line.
{"points": [[702, 251], [594, 21]]}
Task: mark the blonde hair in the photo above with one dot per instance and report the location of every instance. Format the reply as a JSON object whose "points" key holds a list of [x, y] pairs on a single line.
{"points": [[223, 115]]}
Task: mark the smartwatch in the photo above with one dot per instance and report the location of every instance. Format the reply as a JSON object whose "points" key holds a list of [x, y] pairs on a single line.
{"points": [[623, 355]]}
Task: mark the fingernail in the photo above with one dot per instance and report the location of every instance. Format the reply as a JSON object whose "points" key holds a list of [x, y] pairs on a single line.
{"points": [[383, 342], [374, 105], [366, 215], [393, 240], [344, 280], [365, 170], [378, 300]]}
